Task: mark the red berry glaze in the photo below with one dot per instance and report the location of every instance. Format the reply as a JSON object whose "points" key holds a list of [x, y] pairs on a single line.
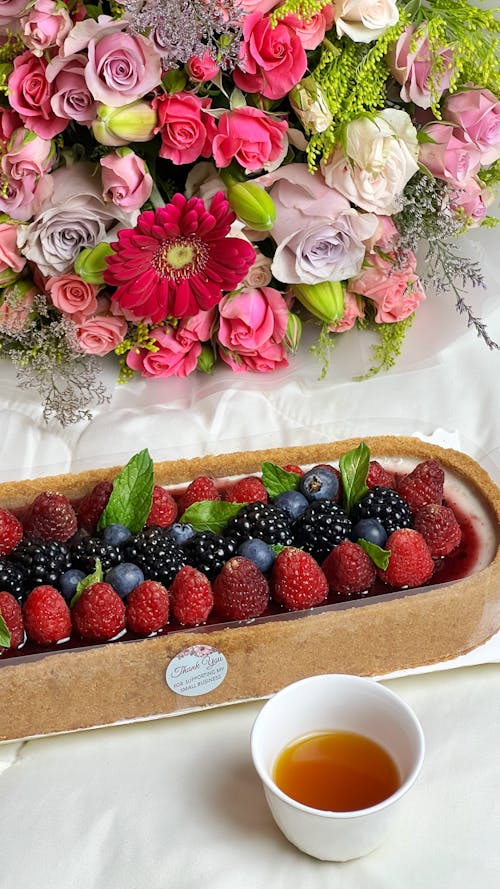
{"points": [[11, 532], [191, 597], [423, 485], [163, 510], [11, 612], [147, 608], [247, 490], [98, 613], [349, 569], [410, 562], [92, 505], [46, 616], [439, 527], [51, 517], [297, 580], [240, 590]]}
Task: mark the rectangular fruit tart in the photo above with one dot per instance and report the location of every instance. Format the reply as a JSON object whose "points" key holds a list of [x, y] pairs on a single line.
{"points": [[155, 589]]}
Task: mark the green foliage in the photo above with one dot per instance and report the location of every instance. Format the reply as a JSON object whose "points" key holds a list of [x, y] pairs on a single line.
{"points": [[387, 351]]}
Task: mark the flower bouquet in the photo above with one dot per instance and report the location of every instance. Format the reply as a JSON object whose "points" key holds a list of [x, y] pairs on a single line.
{"points": [[190, 181]]}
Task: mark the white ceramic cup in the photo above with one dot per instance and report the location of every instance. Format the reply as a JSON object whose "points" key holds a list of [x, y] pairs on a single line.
{"points": [[342, 703]]}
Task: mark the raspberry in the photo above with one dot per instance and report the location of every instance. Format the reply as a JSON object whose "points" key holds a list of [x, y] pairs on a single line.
{"points": [[51, 517], [147, 608], [378, 476], [410, 562], [291, 467], [201, 488], [191, 597], [92, 505], [349, 569], [247, 490], [297, 581], [99, 613], [10, 610], [423, 485], [240, 590], [46, 615], [11, 532], [163, 512], [439, 527]]}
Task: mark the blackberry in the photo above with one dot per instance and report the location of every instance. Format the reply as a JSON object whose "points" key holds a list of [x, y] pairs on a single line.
{"points": [[262, 520], [86, 551], [386, 505], [41, 561], [208, 552], [11, 578], [156, 554], [323, 525]]}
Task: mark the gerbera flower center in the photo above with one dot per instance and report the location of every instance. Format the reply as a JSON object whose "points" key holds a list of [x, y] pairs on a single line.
{"points": [[180, 258]]}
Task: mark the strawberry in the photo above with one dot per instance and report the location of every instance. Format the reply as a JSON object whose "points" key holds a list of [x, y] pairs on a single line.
{"points": [[147, 608], [11, 532], [92, 505], [379, 477], [46, 615], [201, 488], [349, 569], [410, 562], [439, 527], [10, 610], [98, 613], [297, 580], [240, 590], [247, 490], [191, 597], [292, 467], [51, 517], [163, 510], [423, 485]]}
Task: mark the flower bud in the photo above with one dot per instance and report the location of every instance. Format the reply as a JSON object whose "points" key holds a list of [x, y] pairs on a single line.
{"points": [[252, 205], [130, 123], [206, 359], [8, 276], [310, 106], [90, 264], [293, 332], [325, 300]]}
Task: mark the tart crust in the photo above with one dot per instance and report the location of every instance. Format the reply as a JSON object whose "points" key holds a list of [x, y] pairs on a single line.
{"points": [[125, 681]]}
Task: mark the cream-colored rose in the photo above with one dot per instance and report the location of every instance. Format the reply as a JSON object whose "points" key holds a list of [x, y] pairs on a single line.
{"points": [[259, 274], [364, 20], [380, 157]]}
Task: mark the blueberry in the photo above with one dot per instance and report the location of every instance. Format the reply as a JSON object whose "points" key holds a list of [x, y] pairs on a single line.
{"points": [[370, 529], [124, 577], [116, 534], [181, 532], [69, 581], [293, 502], [259, 552], [319, 484]]}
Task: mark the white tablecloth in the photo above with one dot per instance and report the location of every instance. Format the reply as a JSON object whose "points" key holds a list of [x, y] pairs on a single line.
{"points": [[175, 802]]}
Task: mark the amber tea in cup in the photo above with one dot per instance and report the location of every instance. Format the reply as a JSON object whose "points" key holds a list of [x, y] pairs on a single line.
{"points": [[337, 771]]}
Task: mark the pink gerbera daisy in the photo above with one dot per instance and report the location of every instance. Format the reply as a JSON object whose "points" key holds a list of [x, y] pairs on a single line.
{"points": [[178, 260]]}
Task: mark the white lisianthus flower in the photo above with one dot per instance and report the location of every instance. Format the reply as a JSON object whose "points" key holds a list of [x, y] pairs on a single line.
{"points": [[379, 159], [364, 20]]}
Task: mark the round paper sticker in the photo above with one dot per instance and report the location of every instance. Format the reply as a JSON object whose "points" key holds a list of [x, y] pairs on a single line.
{"points": [[196, 670]]}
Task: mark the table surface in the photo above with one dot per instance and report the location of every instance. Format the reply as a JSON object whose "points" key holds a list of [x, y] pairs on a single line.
{"points": [[175, 802]]}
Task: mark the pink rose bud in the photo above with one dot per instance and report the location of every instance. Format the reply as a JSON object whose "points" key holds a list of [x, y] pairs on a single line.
{"points": [[125, 179]]}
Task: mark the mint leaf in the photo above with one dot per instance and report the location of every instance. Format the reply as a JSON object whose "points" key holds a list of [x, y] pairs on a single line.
{"points": [[132, 494], [354, 468], [277, 480], [210, 515], [380, 557], [4, 633], [87, 581]]}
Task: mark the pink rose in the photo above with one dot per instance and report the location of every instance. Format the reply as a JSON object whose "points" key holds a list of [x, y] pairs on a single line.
{"points": [[450, 156], [173, 358], [472, 199], [71, 98], [202, 68], [250, 319], [250, 136], [72, 296], [101, 334], [27, 156], [125, 179], [197, 329], [477, 112], [10, 258], [9, 121], [352, 311], [272, 60], [385, 237], [262, 6], [396, 290], [259, 274], [187, 131], [17, 197], [410, 61], [46, 24], [30, 94], [10, 13], [312, 31], [271, 356]]}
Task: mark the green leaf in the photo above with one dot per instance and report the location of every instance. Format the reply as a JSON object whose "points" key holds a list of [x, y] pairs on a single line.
{"points": [[132, 494], [277, 480], [380, 557], [4, 633], [354, 468], [210, 515], [89, 580]]}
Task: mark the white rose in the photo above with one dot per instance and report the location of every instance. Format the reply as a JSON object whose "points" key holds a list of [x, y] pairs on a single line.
{"points": [[364, 20], [381, 156], [259, 274]]}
